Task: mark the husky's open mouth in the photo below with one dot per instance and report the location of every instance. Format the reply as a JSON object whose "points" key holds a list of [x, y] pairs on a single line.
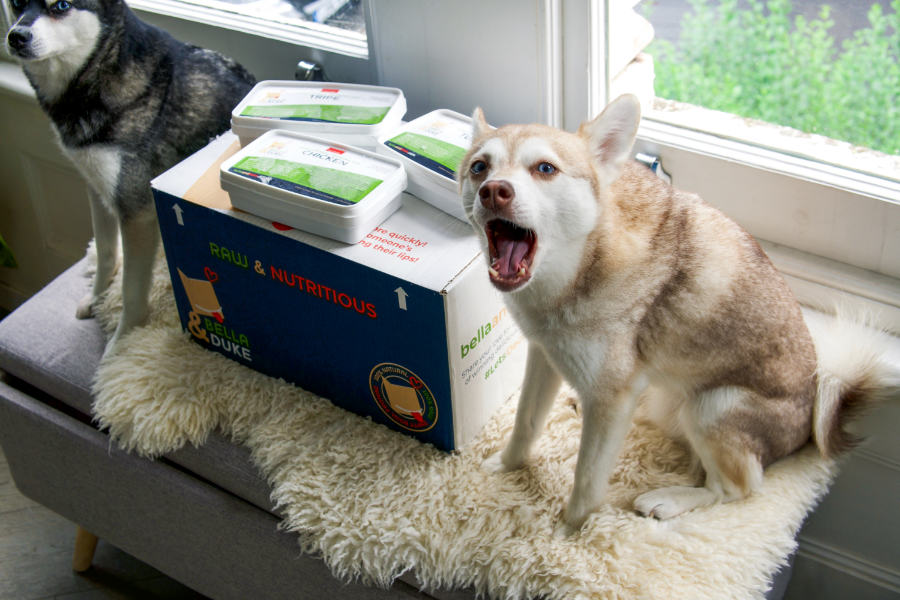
{"points": [[511, 251]]}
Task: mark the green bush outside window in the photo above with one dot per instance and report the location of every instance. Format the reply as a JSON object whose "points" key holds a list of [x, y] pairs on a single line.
{"points": [[754, 60]]}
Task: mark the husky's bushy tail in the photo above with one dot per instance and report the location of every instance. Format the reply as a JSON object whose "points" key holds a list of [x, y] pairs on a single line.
{"points": [[853, 373]]}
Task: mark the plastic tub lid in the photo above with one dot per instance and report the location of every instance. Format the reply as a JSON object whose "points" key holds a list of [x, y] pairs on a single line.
{"points": [[435, 143], [313, 174], [320, 106]]}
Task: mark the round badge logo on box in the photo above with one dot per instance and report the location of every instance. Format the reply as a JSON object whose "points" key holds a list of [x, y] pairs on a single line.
{"points": [[403, 397]]}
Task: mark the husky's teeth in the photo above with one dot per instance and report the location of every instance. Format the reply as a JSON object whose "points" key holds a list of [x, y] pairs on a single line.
{"points": [[493, 271], [522, 271]]}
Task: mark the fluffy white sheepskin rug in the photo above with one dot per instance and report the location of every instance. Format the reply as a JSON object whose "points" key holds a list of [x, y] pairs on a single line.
{"points": [[376, 504]]}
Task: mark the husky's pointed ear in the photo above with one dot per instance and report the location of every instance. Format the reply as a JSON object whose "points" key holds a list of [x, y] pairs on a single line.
{"points": [[611, 134], [479, 123]]}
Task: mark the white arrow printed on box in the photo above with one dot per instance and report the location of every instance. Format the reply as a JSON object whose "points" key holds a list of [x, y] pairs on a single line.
{"points": [[401, 297], [178, 212]]}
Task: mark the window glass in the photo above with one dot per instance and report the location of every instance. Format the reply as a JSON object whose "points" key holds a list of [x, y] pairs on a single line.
{"points": [[337, 27], [823, 67], [344, 15]]}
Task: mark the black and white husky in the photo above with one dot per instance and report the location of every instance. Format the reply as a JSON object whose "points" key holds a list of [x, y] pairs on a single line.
{"points": [[127, 101]]}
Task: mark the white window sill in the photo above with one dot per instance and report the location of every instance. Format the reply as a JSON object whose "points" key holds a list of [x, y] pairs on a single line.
{"points": [[826, 285], [830, 158]]}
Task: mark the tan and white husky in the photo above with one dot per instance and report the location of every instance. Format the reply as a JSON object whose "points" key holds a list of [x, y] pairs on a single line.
{"points": [[625, 287]]}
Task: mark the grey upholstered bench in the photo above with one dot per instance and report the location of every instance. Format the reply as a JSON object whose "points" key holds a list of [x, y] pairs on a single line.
{"points": [[200, 515]]}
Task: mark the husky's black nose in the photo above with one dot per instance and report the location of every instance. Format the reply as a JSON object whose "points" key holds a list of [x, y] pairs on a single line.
{"points": [[496, 194], [18, 39]]}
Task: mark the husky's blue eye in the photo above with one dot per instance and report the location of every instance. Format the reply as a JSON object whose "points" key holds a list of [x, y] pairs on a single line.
{"points": [[478, 167], [60, 7], [546, 168]]}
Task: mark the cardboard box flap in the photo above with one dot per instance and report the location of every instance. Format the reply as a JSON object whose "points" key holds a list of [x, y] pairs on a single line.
{"points": [[418, 243]]}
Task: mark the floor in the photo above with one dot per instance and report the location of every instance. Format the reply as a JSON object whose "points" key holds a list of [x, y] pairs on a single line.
{"points": [[36, 559]]}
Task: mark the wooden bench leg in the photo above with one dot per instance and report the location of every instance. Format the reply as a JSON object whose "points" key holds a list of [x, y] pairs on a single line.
{"points": [[85, 544]]}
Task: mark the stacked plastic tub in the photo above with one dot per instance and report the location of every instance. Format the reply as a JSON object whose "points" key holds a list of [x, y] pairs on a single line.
{"points": [[334, 158]]}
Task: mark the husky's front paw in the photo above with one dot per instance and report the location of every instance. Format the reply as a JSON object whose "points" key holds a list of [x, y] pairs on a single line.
{"points": [[500, 462], [564, 530], [85, 309], [112, 346], [494, 463], [665, 503], [573, 519]]}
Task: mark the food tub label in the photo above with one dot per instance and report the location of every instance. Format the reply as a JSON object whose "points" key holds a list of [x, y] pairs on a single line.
{"points": [[438, 144], [327, 105], [316, 170]]}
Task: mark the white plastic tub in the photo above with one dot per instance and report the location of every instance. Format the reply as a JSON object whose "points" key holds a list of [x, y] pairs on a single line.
{"points": [[347, 113], [333, 190], [431, 148]]}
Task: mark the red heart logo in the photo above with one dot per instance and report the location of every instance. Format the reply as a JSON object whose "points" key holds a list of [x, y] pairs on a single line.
{"points": [[211, 275]]}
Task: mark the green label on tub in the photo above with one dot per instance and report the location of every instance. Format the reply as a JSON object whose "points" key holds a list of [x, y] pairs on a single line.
{"points": [[320, 182], [355, 115], [446, 154]]}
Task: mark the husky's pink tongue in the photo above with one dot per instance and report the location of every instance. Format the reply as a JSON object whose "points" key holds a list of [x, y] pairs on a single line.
{"points": [[510, 253]]}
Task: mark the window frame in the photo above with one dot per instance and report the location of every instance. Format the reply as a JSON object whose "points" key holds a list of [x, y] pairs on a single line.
{"points": [[829, 275], [310, 35]]}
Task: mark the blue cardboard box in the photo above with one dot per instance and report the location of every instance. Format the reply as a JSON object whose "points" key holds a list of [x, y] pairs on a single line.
{"points": [[403, 327]]}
